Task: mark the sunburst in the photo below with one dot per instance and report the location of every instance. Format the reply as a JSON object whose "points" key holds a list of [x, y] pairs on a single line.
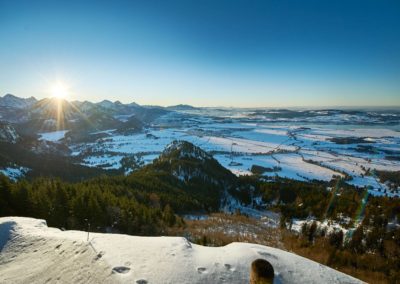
{"points": [[59, 90]]}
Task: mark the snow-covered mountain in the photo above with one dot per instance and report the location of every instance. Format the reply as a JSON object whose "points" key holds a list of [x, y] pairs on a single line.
{"points": [[106, 104], [30, 252], [16, 102], [182, 107]]}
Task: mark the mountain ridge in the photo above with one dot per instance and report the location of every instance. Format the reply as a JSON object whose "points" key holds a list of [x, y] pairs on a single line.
{"points": [[10, 100]]}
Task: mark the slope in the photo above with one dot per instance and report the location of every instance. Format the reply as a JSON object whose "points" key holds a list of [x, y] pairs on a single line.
{"points": [[66, 257]]}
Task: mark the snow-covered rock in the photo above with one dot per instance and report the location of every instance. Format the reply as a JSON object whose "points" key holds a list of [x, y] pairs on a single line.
{"points": [[8, 133], [30, 252]]}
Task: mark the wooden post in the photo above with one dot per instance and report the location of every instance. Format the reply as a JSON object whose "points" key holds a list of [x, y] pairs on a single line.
{"points": [[88, 230], [261, 272]]}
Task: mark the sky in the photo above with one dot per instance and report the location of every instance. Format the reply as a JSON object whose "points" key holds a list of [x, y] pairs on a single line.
{"points": [[204, 52]]}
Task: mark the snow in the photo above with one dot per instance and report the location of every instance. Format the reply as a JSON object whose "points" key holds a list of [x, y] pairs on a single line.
{"points": [[66, 257], [247, 146], [329, 225], [360, 132], [195, 217], [53, 136], [107, 162], [14, 173], [123, 117]]}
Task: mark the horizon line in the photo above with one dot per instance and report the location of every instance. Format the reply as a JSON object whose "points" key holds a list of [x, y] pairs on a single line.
{"points": [[218, 106]]}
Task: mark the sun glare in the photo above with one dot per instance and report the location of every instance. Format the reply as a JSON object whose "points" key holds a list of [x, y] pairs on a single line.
{"points": [[59, 90]]}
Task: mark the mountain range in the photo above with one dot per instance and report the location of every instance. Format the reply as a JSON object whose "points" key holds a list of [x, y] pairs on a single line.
{"points": [[30, 116]]}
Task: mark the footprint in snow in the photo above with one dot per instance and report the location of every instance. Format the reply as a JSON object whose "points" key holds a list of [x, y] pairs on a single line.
{"points": [[229, 267], [99, 255], [201, 270], [121, 269]]}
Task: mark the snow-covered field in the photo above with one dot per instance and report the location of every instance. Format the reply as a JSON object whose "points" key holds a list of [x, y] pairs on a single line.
{"points": [[53, 136], [292, 149], [104, 161], [30, 252]]}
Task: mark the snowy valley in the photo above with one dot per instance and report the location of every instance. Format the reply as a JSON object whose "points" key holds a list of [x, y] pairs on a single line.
{"points": [[356, 145]]}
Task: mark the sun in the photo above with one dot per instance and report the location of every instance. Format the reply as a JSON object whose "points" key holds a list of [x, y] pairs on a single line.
{"points": [[59, 90]]}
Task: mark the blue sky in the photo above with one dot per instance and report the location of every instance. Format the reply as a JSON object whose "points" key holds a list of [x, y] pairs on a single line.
{"points": [[205, 53]]}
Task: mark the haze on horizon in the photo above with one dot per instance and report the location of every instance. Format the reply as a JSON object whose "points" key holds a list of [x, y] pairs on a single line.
{"points": [[204, 53]]}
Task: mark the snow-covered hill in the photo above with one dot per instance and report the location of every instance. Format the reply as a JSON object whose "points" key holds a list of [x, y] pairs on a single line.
{"points": [[30, 252]]}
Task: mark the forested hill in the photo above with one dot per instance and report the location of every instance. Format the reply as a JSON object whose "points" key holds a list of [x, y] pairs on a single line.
{"points": [[183, 179]]}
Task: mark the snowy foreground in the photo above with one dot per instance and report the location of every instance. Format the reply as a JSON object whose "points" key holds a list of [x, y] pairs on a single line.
{"points": [[30, 252]]}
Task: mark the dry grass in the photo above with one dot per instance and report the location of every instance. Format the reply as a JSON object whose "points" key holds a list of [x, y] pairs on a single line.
{"points": [[320, 252], [220, 229]]}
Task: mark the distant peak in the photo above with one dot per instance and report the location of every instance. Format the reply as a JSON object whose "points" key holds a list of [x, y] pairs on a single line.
{"points": [[10, 100], [182, 107]]}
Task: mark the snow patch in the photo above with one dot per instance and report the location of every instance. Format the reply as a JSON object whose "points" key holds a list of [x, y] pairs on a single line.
{"points": [[53, 136], [14, 173]]}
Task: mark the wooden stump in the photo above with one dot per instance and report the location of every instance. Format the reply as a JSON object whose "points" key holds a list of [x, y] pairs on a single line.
{"points": [[261, 272]]}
